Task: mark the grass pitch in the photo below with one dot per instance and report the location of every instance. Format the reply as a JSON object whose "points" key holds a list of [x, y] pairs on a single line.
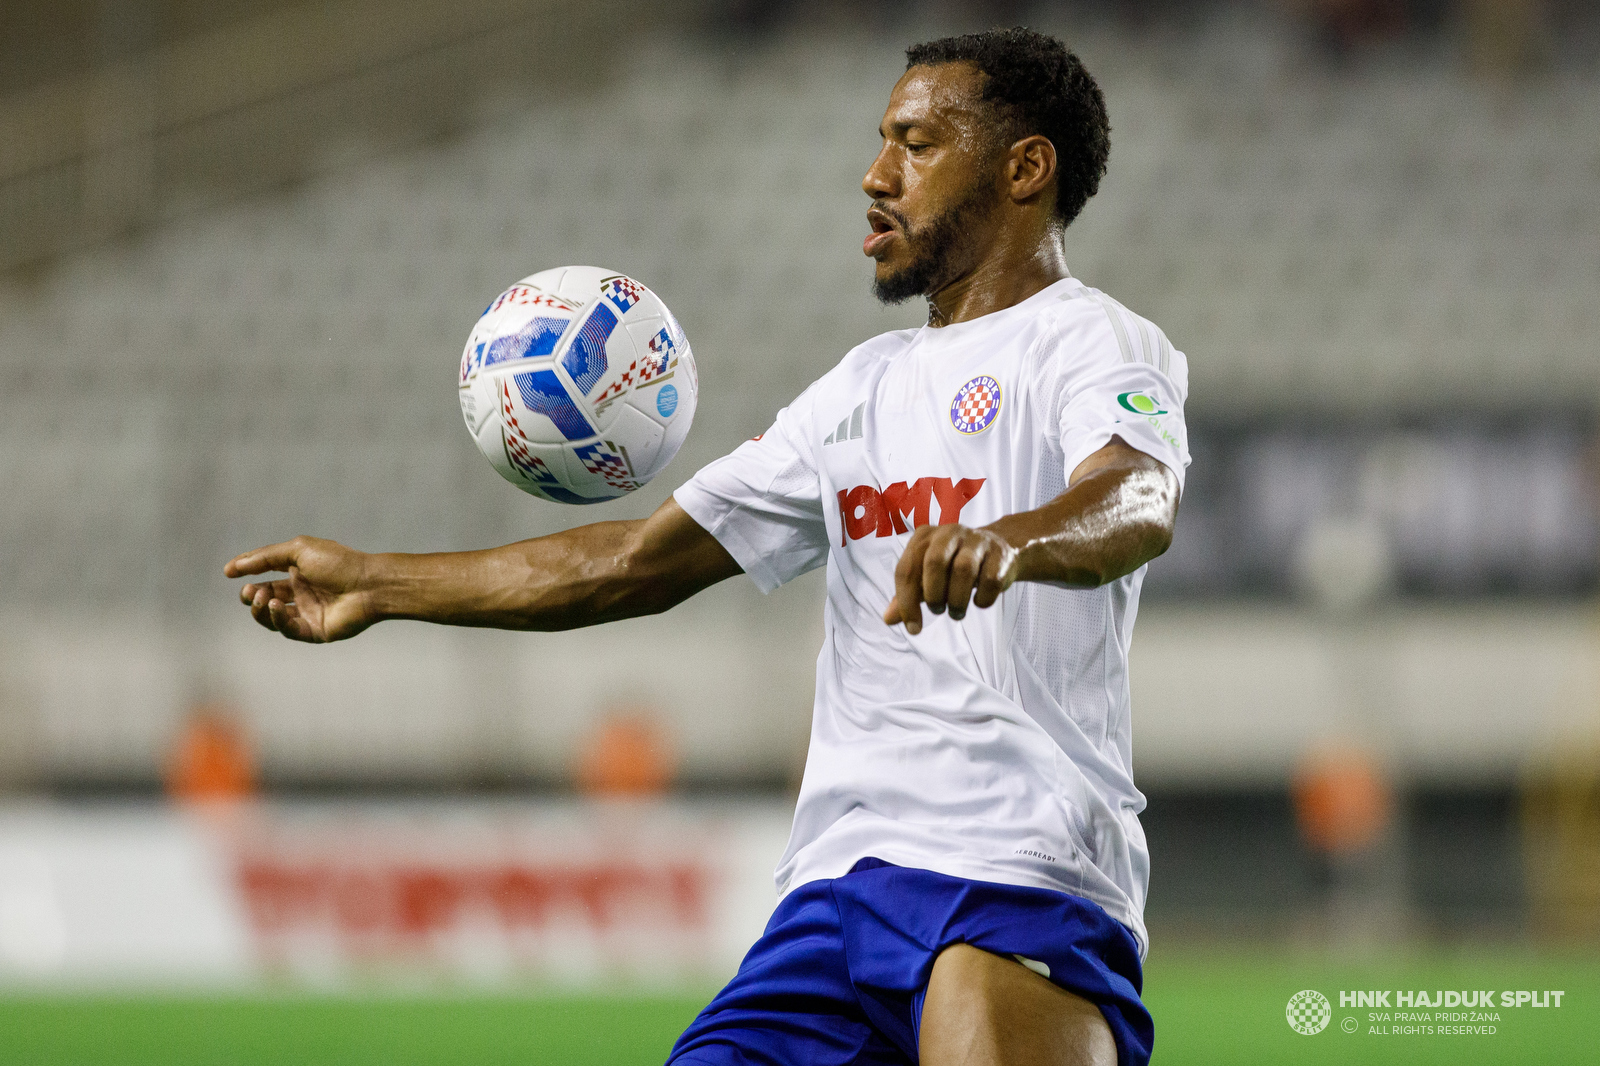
{"points": [[1221, 1008]]}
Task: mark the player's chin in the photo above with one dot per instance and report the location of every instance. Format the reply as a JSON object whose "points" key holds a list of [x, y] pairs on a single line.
{"points": [[892, 282]]}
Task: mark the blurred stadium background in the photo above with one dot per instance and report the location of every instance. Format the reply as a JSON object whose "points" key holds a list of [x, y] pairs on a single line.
{"points": [[240, 247]]}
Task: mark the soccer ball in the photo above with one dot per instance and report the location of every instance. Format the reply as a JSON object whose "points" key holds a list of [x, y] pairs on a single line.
{"points": [[578, 384]]}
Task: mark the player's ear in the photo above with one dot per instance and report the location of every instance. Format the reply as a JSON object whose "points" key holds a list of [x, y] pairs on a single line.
{"points": [[1030, 167]]}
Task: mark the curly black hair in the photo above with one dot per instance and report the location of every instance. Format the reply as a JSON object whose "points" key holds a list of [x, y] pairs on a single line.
{"points": [[1037, 85]]}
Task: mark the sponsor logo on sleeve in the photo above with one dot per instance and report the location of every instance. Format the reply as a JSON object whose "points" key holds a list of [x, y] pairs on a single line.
{"points": [[1140, 404], [1150, 410]]}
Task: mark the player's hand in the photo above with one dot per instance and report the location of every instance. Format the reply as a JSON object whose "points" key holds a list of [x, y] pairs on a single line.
{"points": [[326, 596], [946, 567]]}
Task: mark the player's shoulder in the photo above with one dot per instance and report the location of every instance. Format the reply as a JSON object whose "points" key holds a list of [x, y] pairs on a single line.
{"points": [[857, 364], [877, 349], [1092, 328], [862, 360]]}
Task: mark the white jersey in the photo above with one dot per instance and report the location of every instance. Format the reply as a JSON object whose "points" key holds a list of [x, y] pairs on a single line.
{"points": [[998, 747]]}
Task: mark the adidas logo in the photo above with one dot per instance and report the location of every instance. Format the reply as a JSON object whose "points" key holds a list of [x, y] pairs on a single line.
{"points": [[849, 428]]}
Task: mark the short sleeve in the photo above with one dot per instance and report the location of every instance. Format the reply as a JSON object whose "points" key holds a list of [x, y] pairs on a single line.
{"points": [[763, 501], [1129, 383]]}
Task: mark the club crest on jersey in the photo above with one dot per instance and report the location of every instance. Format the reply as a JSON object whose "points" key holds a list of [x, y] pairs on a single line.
{"points": [[975, 405]]}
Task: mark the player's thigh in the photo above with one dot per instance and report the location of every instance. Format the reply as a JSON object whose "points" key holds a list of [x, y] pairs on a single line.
{"points": [[985, 1010]]}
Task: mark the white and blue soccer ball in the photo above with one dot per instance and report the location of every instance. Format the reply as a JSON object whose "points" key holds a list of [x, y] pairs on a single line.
{"points": [[578, 384]]}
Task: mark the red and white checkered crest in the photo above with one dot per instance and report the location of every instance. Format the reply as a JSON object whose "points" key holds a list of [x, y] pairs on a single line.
{"points": [[975, 405]]}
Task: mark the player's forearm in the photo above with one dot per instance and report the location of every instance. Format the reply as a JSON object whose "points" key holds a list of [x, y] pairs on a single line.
{"points": [[1109, 523], [580, 577]]}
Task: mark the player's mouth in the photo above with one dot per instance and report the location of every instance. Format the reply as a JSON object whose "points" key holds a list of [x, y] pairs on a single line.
{"points": [[883, 230]]}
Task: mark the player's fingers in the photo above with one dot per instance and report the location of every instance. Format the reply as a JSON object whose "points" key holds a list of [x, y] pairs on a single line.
{"points": [[279, 589], [964, 570], [261, 560], [290, 622], [908, 591], [296, 589], [907, 605], [988, 589], [286, 619], [942, 548], [275, 609], [912, 555], [259, 609], [891, 613]]}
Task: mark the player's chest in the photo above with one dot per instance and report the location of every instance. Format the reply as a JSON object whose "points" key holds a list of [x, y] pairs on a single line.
{"points": [[906, 410], [911, 444]]}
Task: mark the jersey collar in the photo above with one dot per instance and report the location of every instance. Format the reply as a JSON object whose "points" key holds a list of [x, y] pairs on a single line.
{"points": [[957, 332]]}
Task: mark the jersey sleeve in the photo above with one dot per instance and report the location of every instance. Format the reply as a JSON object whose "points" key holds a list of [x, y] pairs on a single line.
{"points": [[1126, 381], [763, 501]]}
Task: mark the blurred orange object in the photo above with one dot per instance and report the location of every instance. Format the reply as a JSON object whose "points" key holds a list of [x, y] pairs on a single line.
{"points": [[212, 759], [1341, 801], [628, 754]]}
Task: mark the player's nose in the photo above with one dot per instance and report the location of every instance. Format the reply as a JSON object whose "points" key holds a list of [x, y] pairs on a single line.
{"points": [[881, 180]]}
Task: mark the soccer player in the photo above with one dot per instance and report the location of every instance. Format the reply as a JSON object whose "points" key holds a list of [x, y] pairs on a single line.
{"points": [[966, 874]]}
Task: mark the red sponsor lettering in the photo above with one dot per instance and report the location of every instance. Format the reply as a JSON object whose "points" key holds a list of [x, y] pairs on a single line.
{"points": [[902, 502], [410, 900], [865, 510], [954, 497]]}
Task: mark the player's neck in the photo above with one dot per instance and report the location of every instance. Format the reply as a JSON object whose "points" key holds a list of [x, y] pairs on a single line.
{"points": [[1009, 274]]}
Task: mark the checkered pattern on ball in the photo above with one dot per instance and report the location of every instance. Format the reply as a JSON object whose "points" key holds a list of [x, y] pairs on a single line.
{"points": [[975, 405], [663, 347], [618, 387], [1309, 1012], [634, 376], [524, 460], [609, 466], [624, 292]]}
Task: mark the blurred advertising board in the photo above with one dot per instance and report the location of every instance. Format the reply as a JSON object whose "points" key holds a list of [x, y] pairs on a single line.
{"points": [[332, 895]]}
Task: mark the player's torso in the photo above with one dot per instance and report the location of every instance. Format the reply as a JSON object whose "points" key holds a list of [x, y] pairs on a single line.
{"points": [[944, 750], [936, 427]]}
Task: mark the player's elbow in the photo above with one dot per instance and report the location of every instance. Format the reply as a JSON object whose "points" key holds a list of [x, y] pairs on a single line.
{"points": [[1138, 543], [1152, 516], [641, 579], [1158, 538]]}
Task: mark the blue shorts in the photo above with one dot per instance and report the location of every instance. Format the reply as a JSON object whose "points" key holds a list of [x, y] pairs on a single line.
{"points": [[840, 974]]}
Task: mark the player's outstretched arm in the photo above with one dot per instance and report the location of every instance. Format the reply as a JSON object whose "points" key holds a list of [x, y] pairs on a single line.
{"points": [[1116, 515], [595, 573]]}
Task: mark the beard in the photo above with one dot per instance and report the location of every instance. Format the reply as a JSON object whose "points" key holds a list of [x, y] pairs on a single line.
{"points": [[939, 250]]}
